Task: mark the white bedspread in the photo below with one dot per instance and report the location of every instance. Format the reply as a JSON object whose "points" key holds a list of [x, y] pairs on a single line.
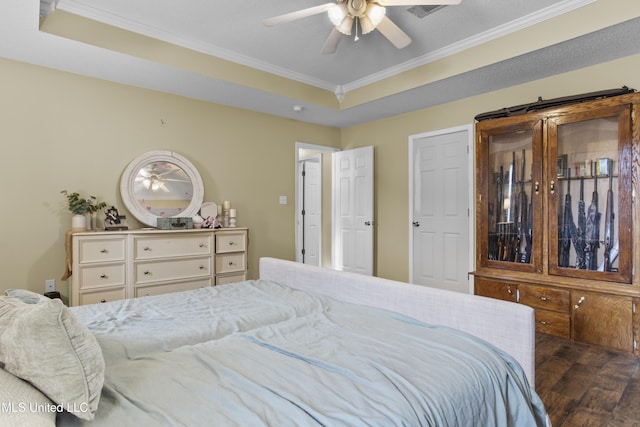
{"points": [[260, 354]]}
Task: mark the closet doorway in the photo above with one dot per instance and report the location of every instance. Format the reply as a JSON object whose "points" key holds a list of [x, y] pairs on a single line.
{"points": [[440, 209], [310, 161]]}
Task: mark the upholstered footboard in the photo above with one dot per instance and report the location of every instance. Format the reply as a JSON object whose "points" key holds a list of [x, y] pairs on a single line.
{"points": [[506, 325]]}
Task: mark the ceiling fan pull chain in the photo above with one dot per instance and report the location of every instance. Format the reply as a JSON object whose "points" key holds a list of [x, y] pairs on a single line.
{"points": [[357, 20]]}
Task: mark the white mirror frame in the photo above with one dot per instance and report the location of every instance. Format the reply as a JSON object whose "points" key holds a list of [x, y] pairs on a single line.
{"points": [[129, 176]]}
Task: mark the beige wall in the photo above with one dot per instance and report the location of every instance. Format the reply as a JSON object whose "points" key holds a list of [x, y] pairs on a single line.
{"points": [[62, 131]]}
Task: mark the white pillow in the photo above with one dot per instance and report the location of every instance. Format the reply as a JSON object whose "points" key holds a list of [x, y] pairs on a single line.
{"points": [[47, 346], [26, 296], [24, 405]]}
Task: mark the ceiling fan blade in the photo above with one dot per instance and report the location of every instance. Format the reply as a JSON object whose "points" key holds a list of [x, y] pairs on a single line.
{"points": [[416, 2], [332, 42], [392, 32], [299, 14]]}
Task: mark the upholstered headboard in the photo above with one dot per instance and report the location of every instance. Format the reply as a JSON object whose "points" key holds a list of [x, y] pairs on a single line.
{"points": [[508, 326]]}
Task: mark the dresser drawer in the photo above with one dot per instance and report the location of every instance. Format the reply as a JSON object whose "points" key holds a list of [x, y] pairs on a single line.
{"points": [[102, 296], [230, 263], [151, 247], [545, 298], [146, 272], [231, 242], [103, 249], [97, 276], [549, 322], [145, 291], [231, 278]]}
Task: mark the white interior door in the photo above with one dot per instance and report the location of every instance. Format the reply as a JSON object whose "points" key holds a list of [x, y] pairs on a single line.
{"points": [[353, 220], [440, 215], [311, 211]]}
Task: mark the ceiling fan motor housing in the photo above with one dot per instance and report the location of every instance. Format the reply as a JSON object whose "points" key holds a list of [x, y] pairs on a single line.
{"points": [[357, 7]]}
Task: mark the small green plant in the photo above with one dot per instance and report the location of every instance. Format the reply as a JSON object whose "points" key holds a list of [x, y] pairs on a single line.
{"points": [[81, 206]]}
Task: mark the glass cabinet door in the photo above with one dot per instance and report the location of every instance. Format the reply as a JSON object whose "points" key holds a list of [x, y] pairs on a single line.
{"points": [[590, 194], [509, 222]]}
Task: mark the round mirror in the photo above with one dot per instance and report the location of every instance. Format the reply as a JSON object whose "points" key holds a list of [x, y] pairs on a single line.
{"points": [[161, 184]]}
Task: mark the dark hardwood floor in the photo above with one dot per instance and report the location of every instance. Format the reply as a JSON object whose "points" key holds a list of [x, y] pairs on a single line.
{"points": [[583, 385]]}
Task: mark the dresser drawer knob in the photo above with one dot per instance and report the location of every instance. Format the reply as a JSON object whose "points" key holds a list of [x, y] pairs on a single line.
{"points": [[103, 276], [146, 248], [202, 245], [201, 267], [544, 298], [543, 322], [579, 303], [103, 300], [103, 251], [230, 243], [230, 262], [146, 272]]}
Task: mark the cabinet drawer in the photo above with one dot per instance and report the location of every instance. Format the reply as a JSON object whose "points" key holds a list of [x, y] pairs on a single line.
{"points": [[549, 322], [145, 291], [230, 263], [150, 247], [103, 296], [146, 272], [230, 242], [496, 289], [101, 275], [103, 249], [231, 278], [545, 298]]}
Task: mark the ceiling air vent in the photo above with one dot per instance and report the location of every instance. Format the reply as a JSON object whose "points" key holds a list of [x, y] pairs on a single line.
{"points": [[424, 10]]}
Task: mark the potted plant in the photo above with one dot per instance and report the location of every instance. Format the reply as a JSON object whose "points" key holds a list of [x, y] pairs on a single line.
{"points": [[80, 207]]}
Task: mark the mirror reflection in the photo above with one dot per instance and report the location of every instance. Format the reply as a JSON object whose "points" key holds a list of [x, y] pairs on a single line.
{"points": [[163, 189]]}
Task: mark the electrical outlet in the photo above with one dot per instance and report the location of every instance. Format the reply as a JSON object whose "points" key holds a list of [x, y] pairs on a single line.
{"points": [[50, 285]]}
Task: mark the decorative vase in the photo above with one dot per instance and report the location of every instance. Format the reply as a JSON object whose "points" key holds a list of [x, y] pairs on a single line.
{"points": [[79, 223]]}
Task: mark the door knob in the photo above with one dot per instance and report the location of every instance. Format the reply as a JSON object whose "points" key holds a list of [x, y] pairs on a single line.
{"points": [[368, 223], [416, 224]]}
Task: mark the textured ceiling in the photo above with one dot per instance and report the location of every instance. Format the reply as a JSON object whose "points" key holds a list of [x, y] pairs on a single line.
{"points": [[233, 30]]}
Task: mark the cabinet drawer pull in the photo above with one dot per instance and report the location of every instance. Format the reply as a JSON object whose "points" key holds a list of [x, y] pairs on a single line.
{"points": [[230, 243], [543, 298], [146, 248], [509, 291], [103, 300], [230, 262], [536, 187], [552, 186], [201, 267], [543, 322], [579, 303], [103, 251], [202, 245], [146, 272], [103, 276]]}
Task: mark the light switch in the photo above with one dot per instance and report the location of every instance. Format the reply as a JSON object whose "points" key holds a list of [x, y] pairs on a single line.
{"points": [[283, 200]]}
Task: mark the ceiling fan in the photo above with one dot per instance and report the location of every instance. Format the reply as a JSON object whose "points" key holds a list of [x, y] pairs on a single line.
{"points": [[368, 15], [153, 176]]}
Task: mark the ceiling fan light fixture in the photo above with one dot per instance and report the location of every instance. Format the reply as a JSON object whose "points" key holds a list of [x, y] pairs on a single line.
{"points": [[375, 13], [346, 25], [366, 25], [337, 14]]}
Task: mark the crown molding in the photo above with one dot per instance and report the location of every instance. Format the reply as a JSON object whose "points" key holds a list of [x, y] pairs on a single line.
{"points": [[78, 8], [478, 39]]}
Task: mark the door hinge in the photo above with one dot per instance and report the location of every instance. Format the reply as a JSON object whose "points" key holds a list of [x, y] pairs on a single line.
{"points": [[304, 251], [304, 173], [304, 212]]}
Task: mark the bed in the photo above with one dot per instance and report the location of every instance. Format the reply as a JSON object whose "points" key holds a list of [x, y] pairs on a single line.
{"points": [[300, 346]]}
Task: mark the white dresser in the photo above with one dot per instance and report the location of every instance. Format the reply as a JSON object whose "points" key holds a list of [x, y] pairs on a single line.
{"points": [[114, 265]]}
